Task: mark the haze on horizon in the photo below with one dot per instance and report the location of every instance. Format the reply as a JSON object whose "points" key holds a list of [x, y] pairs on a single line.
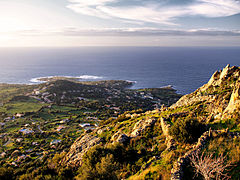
{"points": [[119, 23]]}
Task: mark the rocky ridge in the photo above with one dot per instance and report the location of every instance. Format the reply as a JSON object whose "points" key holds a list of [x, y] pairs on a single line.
{"points": [[89, 140], [218, 99], [177, 170], [78, 149], [221, 94]]}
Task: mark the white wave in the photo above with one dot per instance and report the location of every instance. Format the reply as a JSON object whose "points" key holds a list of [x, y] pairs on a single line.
{"points": [[36, 80], [86, 77], [168, 86], [89, 77], [132, 81]]}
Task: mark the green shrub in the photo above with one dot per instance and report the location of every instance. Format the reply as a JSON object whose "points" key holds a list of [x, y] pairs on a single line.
{"points": [[187, 130], [98, 164], [6, 173]]}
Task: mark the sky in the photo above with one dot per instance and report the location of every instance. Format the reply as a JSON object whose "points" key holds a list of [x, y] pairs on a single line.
{"points": [[26, 23]]}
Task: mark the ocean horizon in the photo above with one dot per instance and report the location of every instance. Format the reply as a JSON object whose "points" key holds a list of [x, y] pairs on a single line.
{"points": [[184, 68]]}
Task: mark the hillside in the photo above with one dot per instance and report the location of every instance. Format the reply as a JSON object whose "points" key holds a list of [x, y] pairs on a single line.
{"points": [[37, 122], [159, 144], [117, 140]]}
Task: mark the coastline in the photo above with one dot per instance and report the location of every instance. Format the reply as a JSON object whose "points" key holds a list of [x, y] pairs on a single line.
{"points": [[88, 79]]}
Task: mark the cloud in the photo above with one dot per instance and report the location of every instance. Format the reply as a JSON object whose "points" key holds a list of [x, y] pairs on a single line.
{"points": [[147, 32], [126, 32], [215, 8], [154, 11], [89, 7], [120, 37], [92, 2]]}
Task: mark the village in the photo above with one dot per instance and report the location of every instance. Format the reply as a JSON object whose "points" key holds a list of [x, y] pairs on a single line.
{"points": [[60, 111], [33, 138]]}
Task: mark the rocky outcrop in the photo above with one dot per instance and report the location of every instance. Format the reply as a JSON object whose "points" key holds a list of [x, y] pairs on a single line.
{"points": [[141, 126], [177, 170], [87, 141], [120, 137], [165, 128], [220, 76], [79, 148], [234, 103], [149, 162], [190, 99], [216, 99], [15, 153], [220, 95]]}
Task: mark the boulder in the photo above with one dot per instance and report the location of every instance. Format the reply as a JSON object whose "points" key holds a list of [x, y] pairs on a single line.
{"points": [[3, 155], [15, 153], [234, 103], [120, 137], [141, 126], [79, 148]]}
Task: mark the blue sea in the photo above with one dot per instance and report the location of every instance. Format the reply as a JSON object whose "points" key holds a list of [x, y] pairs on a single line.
{"points": [[185, 68]]}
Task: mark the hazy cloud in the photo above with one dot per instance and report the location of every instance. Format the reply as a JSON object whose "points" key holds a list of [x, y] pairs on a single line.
{"points": [[127, 32], [147, 32], [154, 11]]}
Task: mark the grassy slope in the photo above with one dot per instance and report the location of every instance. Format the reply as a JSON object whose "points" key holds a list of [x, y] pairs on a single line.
{"points": [[203, 111]]}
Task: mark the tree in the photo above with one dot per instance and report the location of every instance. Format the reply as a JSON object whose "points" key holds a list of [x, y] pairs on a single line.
{"points": [[209, 166]]}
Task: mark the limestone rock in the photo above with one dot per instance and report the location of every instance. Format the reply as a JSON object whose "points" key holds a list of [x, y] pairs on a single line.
{"points": [[189, 99], [219, 77], [225, 72], [141, 126], [165, 128], [234, 104], [215, 95], [15, 153], [214, 78], [100, 130], [120, 137], [3, 155], [79, 148], [177, 170]]}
